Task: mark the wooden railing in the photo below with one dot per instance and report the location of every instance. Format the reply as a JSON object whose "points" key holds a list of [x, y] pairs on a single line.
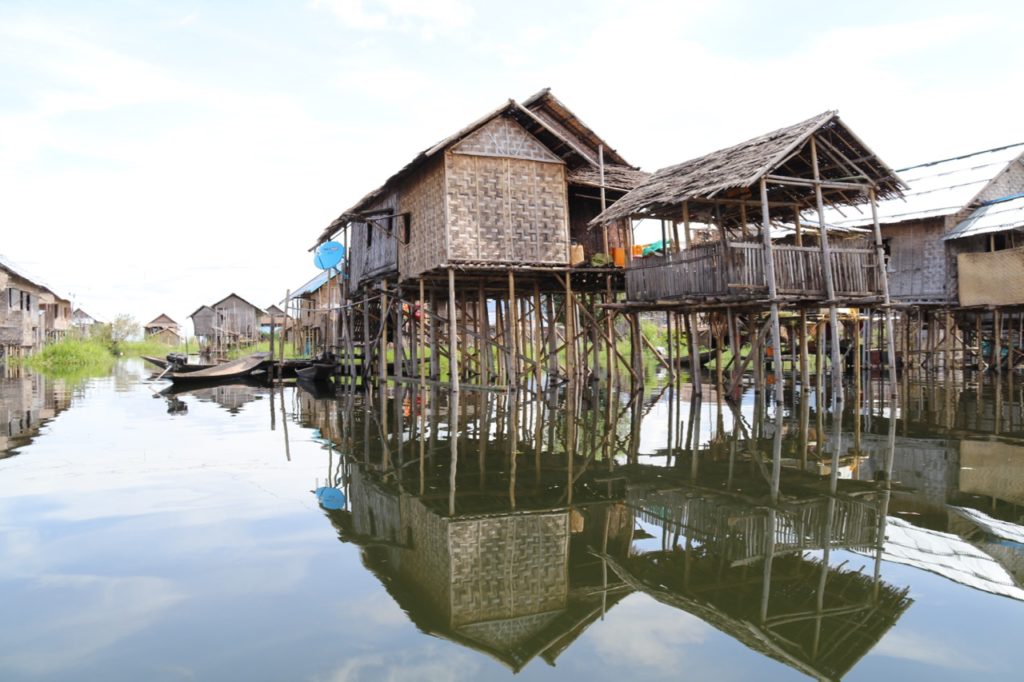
{"points": [[737, 269]]}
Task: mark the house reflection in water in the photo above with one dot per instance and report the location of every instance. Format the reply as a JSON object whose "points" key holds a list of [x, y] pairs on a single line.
{"points": [[27, 402], [515, 536]]}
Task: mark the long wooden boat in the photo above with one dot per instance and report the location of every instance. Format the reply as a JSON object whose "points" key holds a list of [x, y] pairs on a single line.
{"points": [[226, 371], [162, 363], [317, 371]]}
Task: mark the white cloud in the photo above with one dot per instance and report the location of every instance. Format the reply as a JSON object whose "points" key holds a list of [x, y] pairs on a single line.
{"points": [[644, 633], [924, 649], [82, 615]]}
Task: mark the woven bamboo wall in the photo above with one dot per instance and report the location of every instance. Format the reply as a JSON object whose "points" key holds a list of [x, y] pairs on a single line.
{"points": [[506, 199], [992, 469], [508, 567], [991, 278], [423, 198]]}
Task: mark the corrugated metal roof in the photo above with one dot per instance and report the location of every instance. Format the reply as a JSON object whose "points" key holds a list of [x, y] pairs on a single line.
{"points": [[312, 285], [938, 188], [995, 216]]}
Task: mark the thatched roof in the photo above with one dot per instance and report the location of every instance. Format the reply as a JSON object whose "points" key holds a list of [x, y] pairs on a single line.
{"points": [[544, 117], [735, 171], [623, 178]]}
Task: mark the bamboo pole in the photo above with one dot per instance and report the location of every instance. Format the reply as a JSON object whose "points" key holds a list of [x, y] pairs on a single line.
{"points": [[826, 268], [769, 271], [884, 279], [421, 366], [453, 335]]}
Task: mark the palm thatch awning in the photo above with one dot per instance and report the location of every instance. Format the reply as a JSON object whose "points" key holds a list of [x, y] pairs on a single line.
{"points": [[720, 182]]}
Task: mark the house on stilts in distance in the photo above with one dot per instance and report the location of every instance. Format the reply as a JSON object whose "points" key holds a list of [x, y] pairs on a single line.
{"points": [[473, 249], [743, 192]]}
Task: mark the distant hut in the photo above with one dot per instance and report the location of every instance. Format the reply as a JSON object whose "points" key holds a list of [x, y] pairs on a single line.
{"points": [[83, 322], [237, 321], [272, 315], [163, 329], [203, 323]]}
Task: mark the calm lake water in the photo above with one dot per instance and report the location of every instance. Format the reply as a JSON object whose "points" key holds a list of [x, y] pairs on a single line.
{"points": [[245, 533]]}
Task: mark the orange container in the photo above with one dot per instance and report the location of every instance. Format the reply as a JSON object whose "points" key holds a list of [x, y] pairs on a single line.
{"points": [[619, 256], [638, 251]]}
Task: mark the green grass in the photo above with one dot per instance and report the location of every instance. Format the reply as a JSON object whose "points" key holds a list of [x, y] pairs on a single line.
{"points": [[151, 347], [73, 358]]}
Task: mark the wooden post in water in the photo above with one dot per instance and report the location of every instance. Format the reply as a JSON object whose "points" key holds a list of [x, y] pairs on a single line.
{"points": [[453, 335], [382, 369], [435, 351], [769, 272], [884, 278], [420, 364], [826, 269], [513, 327]]}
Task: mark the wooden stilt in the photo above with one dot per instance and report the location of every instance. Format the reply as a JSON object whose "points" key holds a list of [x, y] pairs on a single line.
{"points": [[453, 343]]}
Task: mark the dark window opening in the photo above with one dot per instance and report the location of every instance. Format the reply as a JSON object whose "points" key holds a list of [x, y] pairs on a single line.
{"points": [[406, 228], [369, 235]]}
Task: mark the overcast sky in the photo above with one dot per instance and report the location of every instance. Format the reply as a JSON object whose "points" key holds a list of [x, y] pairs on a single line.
{"points": [[156, 156]]}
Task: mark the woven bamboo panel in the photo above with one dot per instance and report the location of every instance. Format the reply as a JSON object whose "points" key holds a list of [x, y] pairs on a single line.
{"points": [[427, 562], [509, 634], [374, 512], [506, 211], [992, 470], [505, 138], [508, 567], [991, 278], [423, 198]]}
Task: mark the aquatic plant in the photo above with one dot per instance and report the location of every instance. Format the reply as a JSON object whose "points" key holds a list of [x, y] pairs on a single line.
{"points": [[90, 356]]}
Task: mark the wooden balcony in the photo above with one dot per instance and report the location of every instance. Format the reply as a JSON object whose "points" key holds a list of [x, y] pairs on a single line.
{"points": [[736, 271]]}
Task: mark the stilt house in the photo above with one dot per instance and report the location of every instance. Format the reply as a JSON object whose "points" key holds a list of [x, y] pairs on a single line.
{"points": [[955, 239], [514, 189], [315, 307], [744, 190], [236, 320], [163, 329], [203, 319]]}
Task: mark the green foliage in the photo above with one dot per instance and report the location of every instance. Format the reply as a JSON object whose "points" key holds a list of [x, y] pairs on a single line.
{"points": [[115, 334], [73, 357]]}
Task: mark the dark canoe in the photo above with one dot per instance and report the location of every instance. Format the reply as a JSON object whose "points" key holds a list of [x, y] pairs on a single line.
{"points": [[162, 364], [236, 369], [318, 371]]}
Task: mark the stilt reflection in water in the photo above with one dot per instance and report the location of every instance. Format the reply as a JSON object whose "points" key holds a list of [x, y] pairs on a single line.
{"points": [[509, 527]]}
